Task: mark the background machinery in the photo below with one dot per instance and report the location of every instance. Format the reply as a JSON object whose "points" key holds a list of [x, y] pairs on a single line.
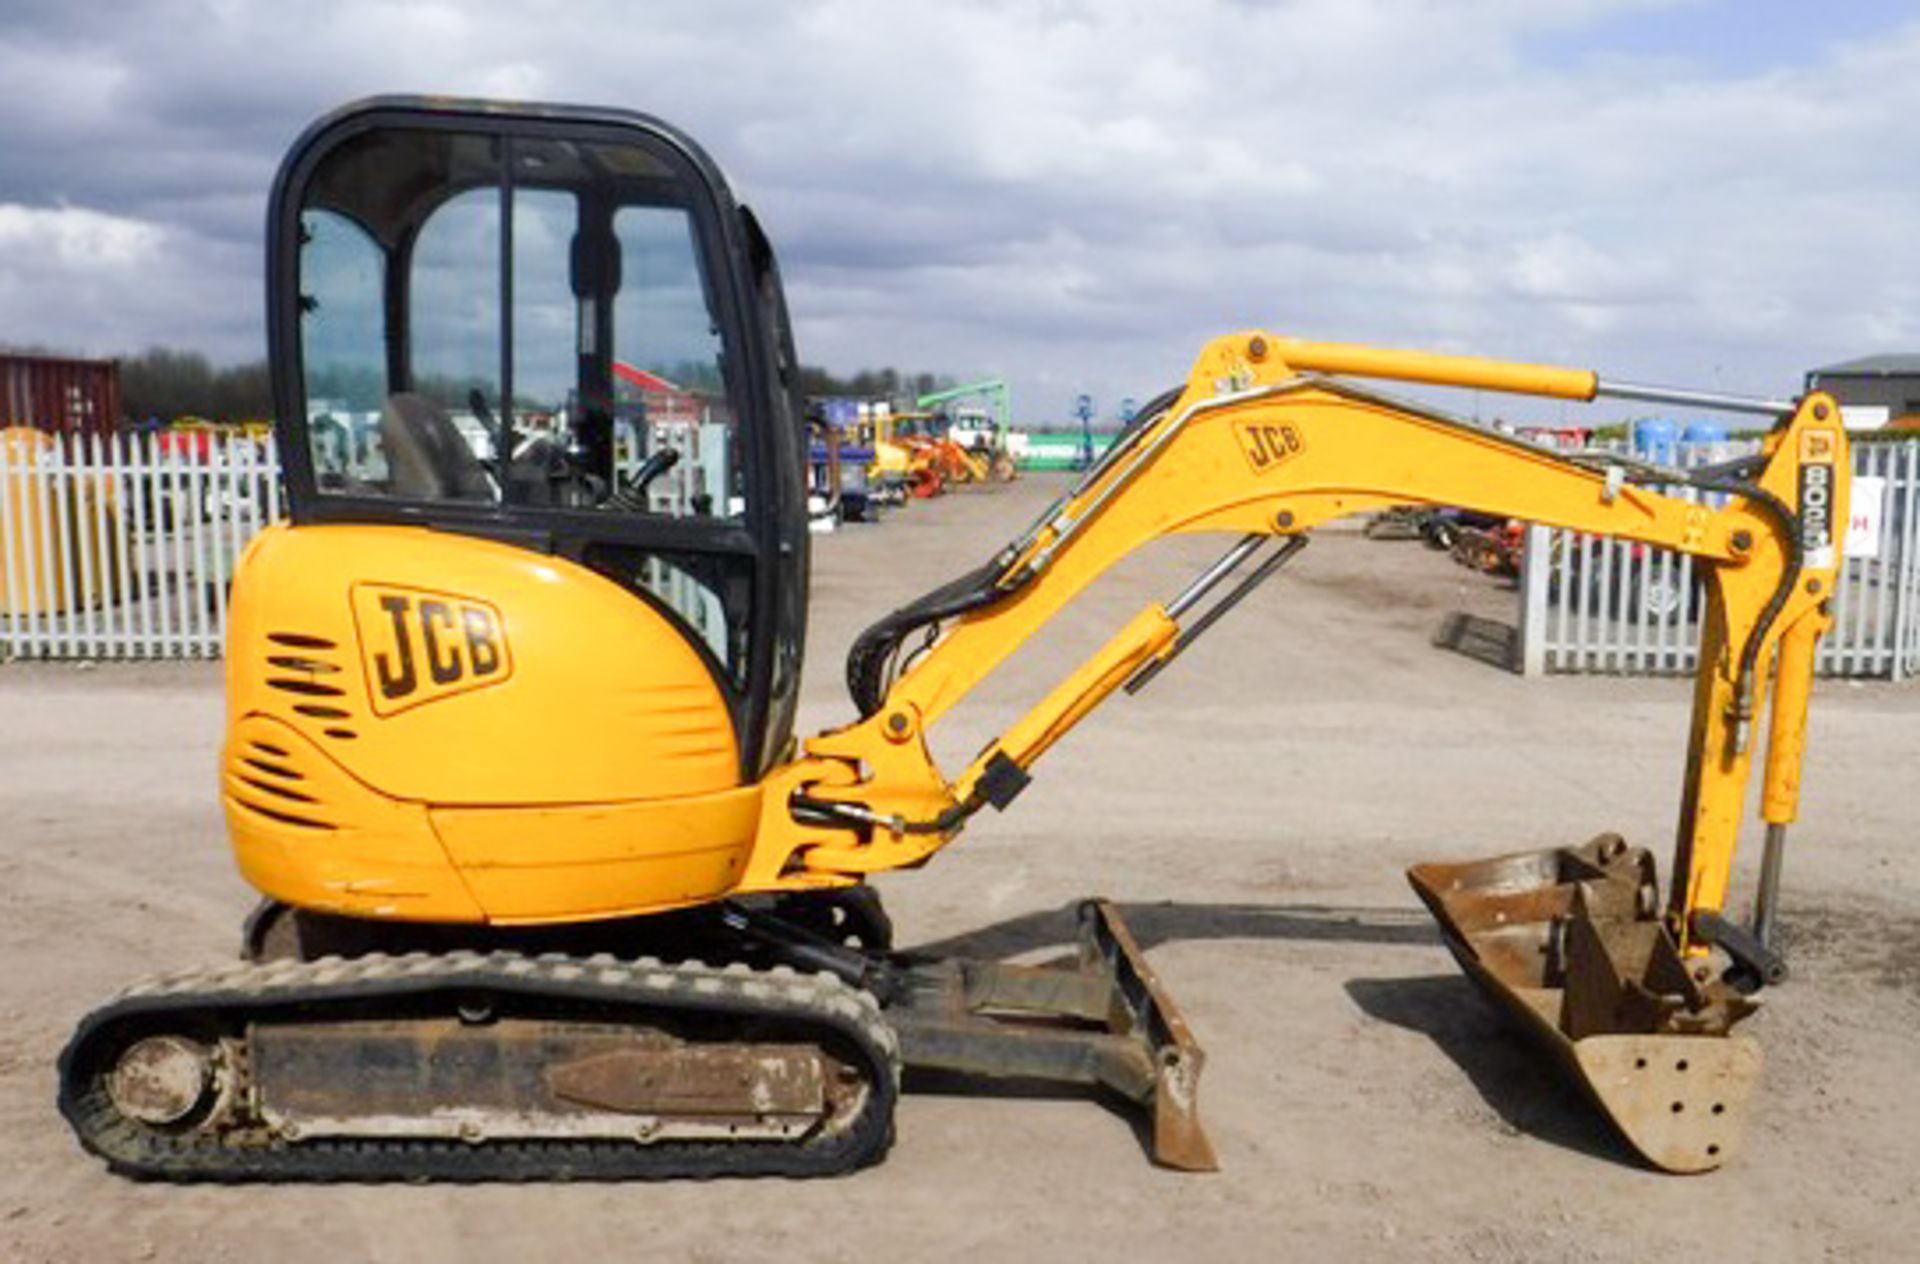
{"points": [[983, 429], [934, 462], [552, 890]]}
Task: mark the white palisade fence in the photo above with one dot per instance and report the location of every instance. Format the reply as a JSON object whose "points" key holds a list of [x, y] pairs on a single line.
{"points": [[1592, 604], [120, 547]]}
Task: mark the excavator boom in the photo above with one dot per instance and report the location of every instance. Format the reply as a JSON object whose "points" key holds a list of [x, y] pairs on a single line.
{"points": [[1252, 448], [1257, 446]]}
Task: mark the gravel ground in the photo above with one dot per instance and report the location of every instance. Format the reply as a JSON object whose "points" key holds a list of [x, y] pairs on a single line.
{"points": [[1253, 811]]}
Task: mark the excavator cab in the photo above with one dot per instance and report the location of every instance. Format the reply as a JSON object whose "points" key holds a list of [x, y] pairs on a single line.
{"points": [[552, 328]]}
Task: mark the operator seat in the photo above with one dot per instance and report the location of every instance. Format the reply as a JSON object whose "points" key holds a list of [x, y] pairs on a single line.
{"points": [[427, 456]]}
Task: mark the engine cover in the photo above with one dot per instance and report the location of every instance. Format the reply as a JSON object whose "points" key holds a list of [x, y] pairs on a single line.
{"points": [[429, 726]]}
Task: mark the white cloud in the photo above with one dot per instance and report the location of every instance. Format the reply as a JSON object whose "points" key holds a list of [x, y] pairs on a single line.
{"points": [[73, 237], [81, 279]]}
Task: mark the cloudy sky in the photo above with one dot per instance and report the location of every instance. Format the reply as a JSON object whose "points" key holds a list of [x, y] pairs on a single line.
{"points": [[1072, 193]]}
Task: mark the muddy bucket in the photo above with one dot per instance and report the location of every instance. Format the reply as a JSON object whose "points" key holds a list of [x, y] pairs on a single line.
{"points": [[1571, 942]]}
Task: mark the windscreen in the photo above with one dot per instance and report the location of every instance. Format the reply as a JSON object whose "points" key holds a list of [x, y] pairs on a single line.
{"points": [[513, 321]]}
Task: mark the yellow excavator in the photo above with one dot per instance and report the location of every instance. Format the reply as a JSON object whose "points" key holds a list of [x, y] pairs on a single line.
{"points": [[551, 891]]}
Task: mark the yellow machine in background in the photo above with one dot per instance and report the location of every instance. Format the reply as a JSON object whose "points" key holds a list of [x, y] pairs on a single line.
{"points": [[510, 743], [898, 468], [59, 524]]}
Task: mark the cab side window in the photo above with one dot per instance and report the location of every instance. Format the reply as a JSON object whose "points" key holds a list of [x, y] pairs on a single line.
{"points": [[669, 374], [343, 278]]}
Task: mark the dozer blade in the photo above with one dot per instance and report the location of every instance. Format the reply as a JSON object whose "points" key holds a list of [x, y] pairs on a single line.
{"points": [[1571, 942], [1106, 1020], [1178, 1139]]}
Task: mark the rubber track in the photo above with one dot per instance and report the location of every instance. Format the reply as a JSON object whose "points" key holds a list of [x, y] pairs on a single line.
{"points": [[232, 994]]}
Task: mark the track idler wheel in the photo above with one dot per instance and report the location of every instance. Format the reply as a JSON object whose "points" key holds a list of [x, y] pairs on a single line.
{"points": [[162, 1080]]}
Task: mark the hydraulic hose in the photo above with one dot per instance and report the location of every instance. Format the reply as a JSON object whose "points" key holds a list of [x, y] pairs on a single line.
{"points": [[868, 677], [1729, 477], [1789, 576]]}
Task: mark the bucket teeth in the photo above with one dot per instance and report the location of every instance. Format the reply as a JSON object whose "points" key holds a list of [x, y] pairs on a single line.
{"points": [[1570, 941]]}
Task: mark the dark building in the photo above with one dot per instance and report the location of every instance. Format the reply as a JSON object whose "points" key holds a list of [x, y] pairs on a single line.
{"points": [[1872, 390], [59, 394]]}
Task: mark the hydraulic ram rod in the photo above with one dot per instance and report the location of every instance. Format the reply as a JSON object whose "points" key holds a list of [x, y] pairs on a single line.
{"points": [[1185, 601], [1479, 373], [1694, 399], [1191, 595]]}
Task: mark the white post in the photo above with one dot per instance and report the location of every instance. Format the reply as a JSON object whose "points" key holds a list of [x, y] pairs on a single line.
{"points": [[198, 480], [166, 544], [66, 581], [80, 481], [124, 492], [11, 541], [140, 498], [1536, 565], [1903, 490], [43, 500], [101, 546]]}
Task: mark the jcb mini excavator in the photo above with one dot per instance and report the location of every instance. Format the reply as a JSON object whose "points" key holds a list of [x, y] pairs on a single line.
{"points": [[551, 891]]}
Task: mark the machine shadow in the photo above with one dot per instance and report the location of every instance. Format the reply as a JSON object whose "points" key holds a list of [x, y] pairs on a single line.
{"points": [[1488, 641], [1165, 922], [1518, 1081], [1152, 925], [1517, 1078]]}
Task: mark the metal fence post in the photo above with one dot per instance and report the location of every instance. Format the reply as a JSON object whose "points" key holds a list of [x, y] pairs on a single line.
{"points": [[1536, 563], [1902, 533]]}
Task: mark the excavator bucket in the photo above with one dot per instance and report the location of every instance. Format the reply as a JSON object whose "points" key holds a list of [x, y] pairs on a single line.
{"points": [[1571, 942]]}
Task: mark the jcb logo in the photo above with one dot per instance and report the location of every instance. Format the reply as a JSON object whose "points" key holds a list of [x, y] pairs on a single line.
{"points": [[1266, 444], [418, 647]]}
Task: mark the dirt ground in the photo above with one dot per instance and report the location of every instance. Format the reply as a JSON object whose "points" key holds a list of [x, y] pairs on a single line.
{"points": [[1253, 810]]}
